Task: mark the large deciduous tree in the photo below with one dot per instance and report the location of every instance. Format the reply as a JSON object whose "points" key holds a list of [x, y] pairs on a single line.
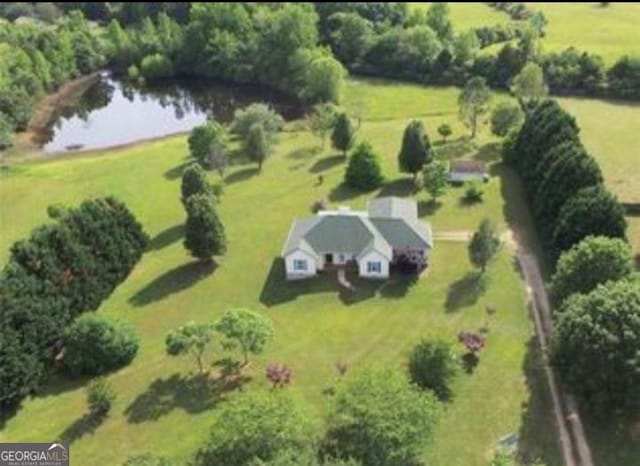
{"points": [[505, 118], [193, 339], [205, 138], [529, 86], [256, 427], [322, 120], [379, 417], [595, 346], [263, 114], [594, 260], [246, 330], [474, 101], [204, 236], [415, 151], [484, 245]]}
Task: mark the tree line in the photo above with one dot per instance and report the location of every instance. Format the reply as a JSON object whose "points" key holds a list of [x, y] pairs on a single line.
{"points": [[62, 270]]}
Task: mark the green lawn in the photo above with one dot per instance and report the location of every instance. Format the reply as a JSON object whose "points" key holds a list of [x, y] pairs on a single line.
{"points": [[467, 15], [610, 32], [159, 407]]}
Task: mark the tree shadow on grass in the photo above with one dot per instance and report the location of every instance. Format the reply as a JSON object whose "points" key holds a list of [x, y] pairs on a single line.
{"points": [[176, 172], [173, 281], [327, 163], [241, 175], [167, 237], [278, 290], [343, 192], [84, 425], [465, 291], [397, 285], [303, 153], [402, 187], [428, 207], [193, 394], [489, 152], [537, 436], [455, 148]]}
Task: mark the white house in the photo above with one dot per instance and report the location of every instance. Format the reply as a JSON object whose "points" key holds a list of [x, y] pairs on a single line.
{"points": [[387, 234]]}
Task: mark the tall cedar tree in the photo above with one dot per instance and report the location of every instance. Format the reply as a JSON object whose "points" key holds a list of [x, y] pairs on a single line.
{"points": [[257, 144], [204, 236], [194, 181], [343, 135], [363, 171], [483, 245], [416, 150]]}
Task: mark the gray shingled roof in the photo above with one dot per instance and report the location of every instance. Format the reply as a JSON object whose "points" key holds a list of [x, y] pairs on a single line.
{"points": [[400, 234], [391, 223]]}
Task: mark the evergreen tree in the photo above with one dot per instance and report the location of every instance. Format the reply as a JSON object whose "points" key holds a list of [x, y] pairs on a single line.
{"points": [[194, 181], [363, 171], [483, 245], [257, 145], [343, 135], [205, 236], [415, 151]]}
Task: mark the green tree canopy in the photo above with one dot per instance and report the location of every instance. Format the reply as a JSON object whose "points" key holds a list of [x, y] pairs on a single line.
{"points": [[592, 261], [379, 417], [205, 235], [204, 139], [343, 135], [260, 113], [474, 101], [322, 120], [595, 346], [247, 330], [435, 178], [95, 344], [506, 117], [438, 20], [193, 339], [445, 131], [256, 426], [484, 245], [529, 86], [415, 151], [257, 145], [194, 181], [363, 171], [432, 366]]}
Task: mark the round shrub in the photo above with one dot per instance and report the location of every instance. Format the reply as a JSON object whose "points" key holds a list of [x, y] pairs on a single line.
{"points": [[95, 344], [157, 66], [432, 366]]}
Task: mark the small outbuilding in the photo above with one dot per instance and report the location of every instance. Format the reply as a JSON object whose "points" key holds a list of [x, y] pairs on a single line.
{"points": [[468, 170]]}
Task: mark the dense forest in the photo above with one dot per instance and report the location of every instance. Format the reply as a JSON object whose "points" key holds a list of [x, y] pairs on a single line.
{"points": [[304, 49]]}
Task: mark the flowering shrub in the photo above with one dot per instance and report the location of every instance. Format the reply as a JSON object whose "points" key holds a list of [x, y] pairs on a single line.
{"points": [[278, 374]]}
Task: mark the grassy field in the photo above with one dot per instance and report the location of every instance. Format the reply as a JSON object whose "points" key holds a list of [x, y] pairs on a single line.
{"points": [[159, 407], [610, 32], [467, 15]]}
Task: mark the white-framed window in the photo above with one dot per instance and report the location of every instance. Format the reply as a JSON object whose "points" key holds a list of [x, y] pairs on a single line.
{"points": [[374, 267], [300, 265]]}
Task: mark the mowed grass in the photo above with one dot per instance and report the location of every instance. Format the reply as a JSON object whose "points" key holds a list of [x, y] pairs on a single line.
{"points": [[161, 408], [609, 32], [468, 15]]}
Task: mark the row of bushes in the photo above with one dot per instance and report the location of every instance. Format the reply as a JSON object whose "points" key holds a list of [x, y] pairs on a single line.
{"points": [[563, 182], [62, 270], [516, 10]]}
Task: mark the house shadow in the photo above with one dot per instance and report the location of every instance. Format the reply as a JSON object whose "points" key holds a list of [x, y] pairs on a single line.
{"points": [[397, 285], [84, 425], [241, 175], [343, 192], [465, 291], [192, 394], [327, 163], [278, 290], [173, 281], [401, 187], [537, 438], [166, 237]]}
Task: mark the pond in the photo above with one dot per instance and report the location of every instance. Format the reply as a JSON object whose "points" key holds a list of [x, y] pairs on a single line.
{"points": [[112, 112]]}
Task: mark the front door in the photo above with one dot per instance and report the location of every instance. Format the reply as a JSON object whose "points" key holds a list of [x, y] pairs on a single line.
{"points": [[328, 259]]}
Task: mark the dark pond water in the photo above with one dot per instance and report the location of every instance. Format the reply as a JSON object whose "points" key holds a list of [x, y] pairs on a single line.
{"points": [[112, 112]]}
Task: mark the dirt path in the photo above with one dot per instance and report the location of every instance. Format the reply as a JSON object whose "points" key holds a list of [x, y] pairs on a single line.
{"points": [[571, 437]]}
